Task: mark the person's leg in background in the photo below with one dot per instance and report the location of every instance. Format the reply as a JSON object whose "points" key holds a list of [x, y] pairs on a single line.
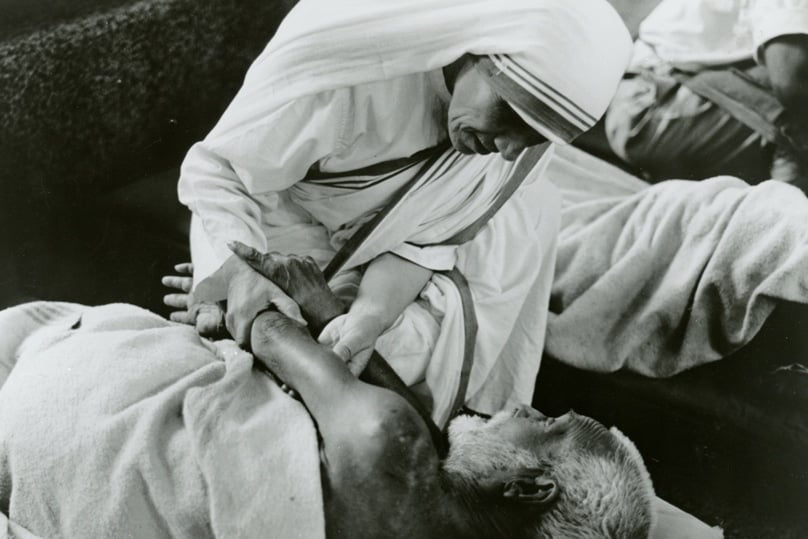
{"points": [[663, 130]]}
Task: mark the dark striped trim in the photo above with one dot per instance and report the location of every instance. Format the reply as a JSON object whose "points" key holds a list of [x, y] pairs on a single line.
{"points": [[469, 341], [449, 160], [44, 312], [540, 111], [315, 175], [362, 182], [440, 156], [527, 162], [545, 89], [437, 164]]}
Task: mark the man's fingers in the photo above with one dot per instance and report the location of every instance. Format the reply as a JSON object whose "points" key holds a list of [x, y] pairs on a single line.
{"points": [[251, 256], [266, 264], [177, 301], [183, 317], [178, 282], [186, 268]]}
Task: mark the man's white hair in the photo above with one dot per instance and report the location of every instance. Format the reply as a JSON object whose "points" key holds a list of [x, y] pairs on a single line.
{"points": [[604, 496], [601, 497], [475, 453]]}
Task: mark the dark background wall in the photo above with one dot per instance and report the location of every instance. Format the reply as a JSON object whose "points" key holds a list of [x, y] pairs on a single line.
{"points": [[21, 16], [95, 95]]}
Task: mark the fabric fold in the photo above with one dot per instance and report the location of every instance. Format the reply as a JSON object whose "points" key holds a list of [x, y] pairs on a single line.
{"points": [[659, 279], [115, 422]]}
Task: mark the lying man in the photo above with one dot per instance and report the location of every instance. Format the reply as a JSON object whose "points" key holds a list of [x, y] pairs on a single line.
{"points": [[511, 476], [716, 88], [114, 422]]}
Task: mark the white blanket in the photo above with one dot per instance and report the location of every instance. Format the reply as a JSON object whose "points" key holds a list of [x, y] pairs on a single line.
{"points": [[661, 278], [131, 426]]}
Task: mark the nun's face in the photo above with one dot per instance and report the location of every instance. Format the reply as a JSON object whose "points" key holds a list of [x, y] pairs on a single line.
{"points": [[480, 121]]}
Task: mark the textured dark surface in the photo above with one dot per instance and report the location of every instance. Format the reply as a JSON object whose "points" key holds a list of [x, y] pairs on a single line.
{"points": [[19, 17], [82, 104], [90, 105]]}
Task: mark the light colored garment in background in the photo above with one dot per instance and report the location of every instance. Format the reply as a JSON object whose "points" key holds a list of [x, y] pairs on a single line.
{"points": [[658, 279], [692, 34], [666, 129]]}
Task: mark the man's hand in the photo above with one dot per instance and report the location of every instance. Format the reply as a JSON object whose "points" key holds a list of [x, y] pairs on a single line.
{"points": [[353, 338], [345, 333], [249, 293], [300, 278], [208, 318]]}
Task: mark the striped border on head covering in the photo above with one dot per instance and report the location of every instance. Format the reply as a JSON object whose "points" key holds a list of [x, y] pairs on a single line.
{"points": [[541, 106]]}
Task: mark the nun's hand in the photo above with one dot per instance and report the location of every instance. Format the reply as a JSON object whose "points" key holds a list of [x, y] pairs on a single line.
{"points": [[207, 318], [353, 338]]}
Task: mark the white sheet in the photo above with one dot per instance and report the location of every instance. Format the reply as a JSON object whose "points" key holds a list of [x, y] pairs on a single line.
{"points": [[658, 279], [129, 425]]}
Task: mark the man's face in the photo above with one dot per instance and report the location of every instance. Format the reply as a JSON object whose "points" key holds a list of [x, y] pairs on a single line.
{"points": [[550, 437], [546, 438], [480, 121]]}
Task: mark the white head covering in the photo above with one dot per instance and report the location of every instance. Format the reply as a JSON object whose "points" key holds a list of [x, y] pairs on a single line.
{"points": [[567, 55], [554, 102], [563, 81]]}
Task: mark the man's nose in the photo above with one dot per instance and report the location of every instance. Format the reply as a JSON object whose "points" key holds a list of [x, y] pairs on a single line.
{"points": [[526, 410]]}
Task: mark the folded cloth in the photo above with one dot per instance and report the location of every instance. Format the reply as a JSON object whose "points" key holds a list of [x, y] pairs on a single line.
{"points": [[661, 278], [115, 422], [12, 530]]}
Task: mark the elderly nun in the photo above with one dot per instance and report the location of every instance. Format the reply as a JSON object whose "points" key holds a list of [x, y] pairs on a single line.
{"points": [[402, 144]]}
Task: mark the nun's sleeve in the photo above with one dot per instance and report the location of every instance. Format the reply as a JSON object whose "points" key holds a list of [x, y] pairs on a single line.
{"points": [[252, 154]]}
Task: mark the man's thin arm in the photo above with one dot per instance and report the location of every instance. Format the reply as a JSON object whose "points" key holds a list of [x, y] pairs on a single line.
{"points": [[357, 421], [295, 357], [377, 372], [303, 281]]}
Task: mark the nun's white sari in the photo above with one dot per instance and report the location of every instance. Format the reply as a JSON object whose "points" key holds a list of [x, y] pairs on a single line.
{"points": [[338, 114]]}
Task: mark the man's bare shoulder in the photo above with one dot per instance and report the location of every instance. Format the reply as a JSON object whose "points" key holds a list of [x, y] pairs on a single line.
{"points": [[387, 436], [387, 476]]}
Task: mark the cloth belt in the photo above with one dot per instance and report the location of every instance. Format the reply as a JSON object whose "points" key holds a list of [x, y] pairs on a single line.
{"points": [[745, 93]]}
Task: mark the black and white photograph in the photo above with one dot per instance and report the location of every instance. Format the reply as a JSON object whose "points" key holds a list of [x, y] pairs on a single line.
{"points": [[416, 269]]}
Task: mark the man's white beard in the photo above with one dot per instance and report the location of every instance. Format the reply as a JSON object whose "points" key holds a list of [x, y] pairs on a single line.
{"points": [[474, 452]]}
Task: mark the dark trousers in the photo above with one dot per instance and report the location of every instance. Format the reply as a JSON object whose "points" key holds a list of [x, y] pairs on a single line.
{"points": [[722, 122]]}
